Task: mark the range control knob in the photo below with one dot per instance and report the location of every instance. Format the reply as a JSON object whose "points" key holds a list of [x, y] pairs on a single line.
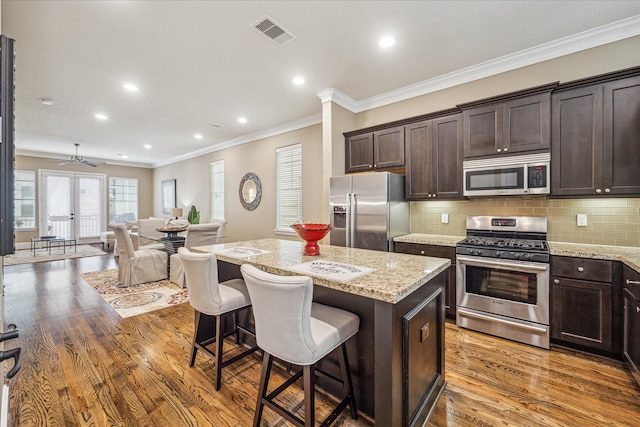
{"points": [[480, 251], [526, 257], [517, 255], [499, 254]]}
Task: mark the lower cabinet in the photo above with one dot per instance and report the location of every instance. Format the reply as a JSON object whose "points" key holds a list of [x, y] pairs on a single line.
{"points": [[437, 251], [583, 296], [631, 334]]}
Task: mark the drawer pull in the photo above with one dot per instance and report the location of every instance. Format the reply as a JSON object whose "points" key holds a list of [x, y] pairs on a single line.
{"points": [[556, 281], [580, 269], [633, 282], [637, 309]]}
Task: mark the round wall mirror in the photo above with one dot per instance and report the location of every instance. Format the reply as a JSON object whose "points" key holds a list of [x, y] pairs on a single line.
{"points": [[250, 191]]}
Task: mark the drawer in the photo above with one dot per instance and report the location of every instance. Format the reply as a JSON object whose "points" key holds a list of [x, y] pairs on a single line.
{"points": [[582, 268], [435, 251]]}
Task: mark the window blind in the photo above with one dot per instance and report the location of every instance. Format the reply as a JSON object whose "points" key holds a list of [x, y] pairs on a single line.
{"points": [[288, 186]]}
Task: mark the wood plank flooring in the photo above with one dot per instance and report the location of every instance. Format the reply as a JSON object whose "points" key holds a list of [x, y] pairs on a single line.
{"points": [[82, 365]]}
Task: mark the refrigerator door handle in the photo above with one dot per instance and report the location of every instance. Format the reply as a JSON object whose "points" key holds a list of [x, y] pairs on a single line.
{"points": [[348, 220], [353, 209]]}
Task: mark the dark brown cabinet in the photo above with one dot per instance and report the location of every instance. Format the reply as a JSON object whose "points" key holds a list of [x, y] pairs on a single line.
{"points": [[437, 251], [434, 158], [380, 150], [596, 138], [511, 127], [582, 298], [631, 336]]}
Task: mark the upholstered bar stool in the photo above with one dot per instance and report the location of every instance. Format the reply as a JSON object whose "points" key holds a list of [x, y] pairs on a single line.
{"points": [[292, 328], [213, 301]]}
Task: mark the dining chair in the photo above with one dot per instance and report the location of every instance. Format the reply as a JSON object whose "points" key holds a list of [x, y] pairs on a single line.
{"points": [[292, 328], [196, 235], [137, 266]]}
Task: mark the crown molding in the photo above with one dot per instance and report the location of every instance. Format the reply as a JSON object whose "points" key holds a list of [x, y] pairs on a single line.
{"points": [[620, 30], [62, 157], [313, 119]]}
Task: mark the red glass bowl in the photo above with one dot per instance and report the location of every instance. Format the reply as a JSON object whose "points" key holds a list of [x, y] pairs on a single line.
{"points": [[311, 233]]}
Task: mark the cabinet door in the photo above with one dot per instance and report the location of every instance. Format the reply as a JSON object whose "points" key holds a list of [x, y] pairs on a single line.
{"points": [[631, 346], [576, 142], [582, 313], [621, 137], [359, 153], [483, 131], [527, 124], [447, 154], [419, 170], [388, 148]]}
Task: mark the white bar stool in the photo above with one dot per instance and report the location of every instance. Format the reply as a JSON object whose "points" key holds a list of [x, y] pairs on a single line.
{"points": [[290, 327], [213, 301]]}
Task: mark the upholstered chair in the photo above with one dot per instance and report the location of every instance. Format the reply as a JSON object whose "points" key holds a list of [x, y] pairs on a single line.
{"points": [[148, 225], [197, 235], [214, 303], [221, 230], [292, 328], [137, 266]]}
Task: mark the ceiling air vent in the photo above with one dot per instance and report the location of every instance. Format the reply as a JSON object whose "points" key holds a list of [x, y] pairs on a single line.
{"points": [[215, 125], [274, 31]]}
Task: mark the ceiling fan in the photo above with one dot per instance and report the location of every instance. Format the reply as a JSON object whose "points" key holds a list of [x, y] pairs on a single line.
{"points": [[79, 160]]}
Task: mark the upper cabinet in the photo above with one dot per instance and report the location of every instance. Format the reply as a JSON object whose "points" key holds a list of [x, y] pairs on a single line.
{"points": [[596, 136], [514, 123], [380, 150], [434, 158]]}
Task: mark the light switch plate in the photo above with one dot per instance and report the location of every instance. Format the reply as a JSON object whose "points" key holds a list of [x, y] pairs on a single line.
{"points": [[582, 220], [444, 218]]}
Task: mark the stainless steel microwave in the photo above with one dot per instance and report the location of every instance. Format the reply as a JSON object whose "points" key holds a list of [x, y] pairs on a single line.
{"points": [[505, 176]]}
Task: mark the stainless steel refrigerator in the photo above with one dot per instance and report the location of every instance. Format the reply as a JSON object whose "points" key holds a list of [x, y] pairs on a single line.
{"points": [[368, 210]]}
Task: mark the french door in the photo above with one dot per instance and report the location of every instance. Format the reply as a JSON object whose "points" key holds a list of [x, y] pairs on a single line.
{"points": [[72, 205]]}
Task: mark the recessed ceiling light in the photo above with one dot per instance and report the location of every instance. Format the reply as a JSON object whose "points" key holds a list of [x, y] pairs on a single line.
{"points": [[46, 101], [124, 156], [130, 87], [147, 146], [298, 80], [198, 136], [100, 116], [386, 41], [242, 120]]}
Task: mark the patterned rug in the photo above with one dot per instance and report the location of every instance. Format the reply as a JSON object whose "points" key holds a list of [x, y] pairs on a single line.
{"points": [[136, 299], [25, 256]]}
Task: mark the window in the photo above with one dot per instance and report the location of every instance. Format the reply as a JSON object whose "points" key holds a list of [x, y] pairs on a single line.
{"points": [[25, 200], [288, 187], [123, 199], [216, 174]]}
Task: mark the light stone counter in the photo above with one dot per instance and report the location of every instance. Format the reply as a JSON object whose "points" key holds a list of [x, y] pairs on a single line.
{"points": [[628, 255], [395, 275], [429, 239]]}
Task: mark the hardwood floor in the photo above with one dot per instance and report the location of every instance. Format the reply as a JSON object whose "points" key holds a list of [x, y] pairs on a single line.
{"points": [[84, 365]]}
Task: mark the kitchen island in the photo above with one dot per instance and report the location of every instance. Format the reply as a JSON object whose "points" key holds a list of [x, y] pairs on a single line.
{"points": [[397, 357]]}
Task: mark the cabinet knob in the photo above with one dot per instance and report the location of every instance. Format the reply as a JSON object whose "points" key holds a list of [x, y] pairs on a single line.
{"points": [[607, 190], [499, 150], [580, 269], [556, 281], [421, 252], [598, 190], [637, 309], [505, 149]]}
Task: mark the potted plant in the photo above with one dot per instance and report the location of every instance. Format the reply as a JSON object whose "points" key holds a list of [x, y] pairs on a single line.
{"points": [[194, 215]]}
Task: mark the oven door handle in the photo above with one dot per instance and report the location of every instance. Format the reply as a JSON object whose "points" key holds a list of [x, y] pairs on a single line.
{"points": [[501, 265], [537, 329]]}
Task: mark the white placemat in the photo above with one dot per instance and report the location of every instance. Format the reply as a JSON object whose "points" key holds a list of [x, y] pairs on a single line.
{"points": [[241, 252], [332, 270]]}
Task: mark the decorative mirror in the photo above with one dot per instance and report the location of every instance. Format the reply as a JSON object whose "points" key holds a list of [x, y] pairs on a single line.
{"points": [[250, 191]]}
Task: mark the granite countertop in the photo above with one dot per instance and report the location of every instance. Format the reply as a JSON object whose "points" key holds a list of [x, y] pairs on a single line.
{"points": [[626, 254], [429, 239], [394, 277]]}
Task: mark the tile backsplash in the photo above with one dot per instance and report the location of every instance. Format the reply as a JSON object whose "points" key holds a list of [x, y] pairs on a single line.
{"points": [[609, 221]]}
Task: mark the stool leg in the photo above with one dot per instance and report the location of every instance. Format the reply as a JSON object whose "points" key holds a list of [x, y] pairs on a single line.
{"points": [[219, 342], [267, 361], [235, 321], [346, 380], [194, 349], [308, 378]]}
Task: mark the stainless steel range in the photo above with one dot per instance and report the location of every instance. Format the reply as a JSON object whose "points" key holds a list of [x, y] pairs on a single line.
{"points": [[502, 278]]}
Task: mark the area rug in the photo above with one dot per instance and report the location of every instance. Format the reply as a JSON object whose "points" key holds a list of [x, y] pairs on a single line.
{"points": [[25, 256], [137, 299]]}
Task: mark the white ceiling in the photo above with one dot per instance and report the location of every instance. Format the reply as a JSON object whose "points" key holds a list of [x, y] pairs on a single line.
{"points": [[201, 62]]}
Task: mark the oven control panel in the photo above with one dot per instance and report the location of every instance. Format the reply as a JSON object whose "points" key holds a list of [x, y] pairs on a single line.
{"points": [[503, 222]]}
